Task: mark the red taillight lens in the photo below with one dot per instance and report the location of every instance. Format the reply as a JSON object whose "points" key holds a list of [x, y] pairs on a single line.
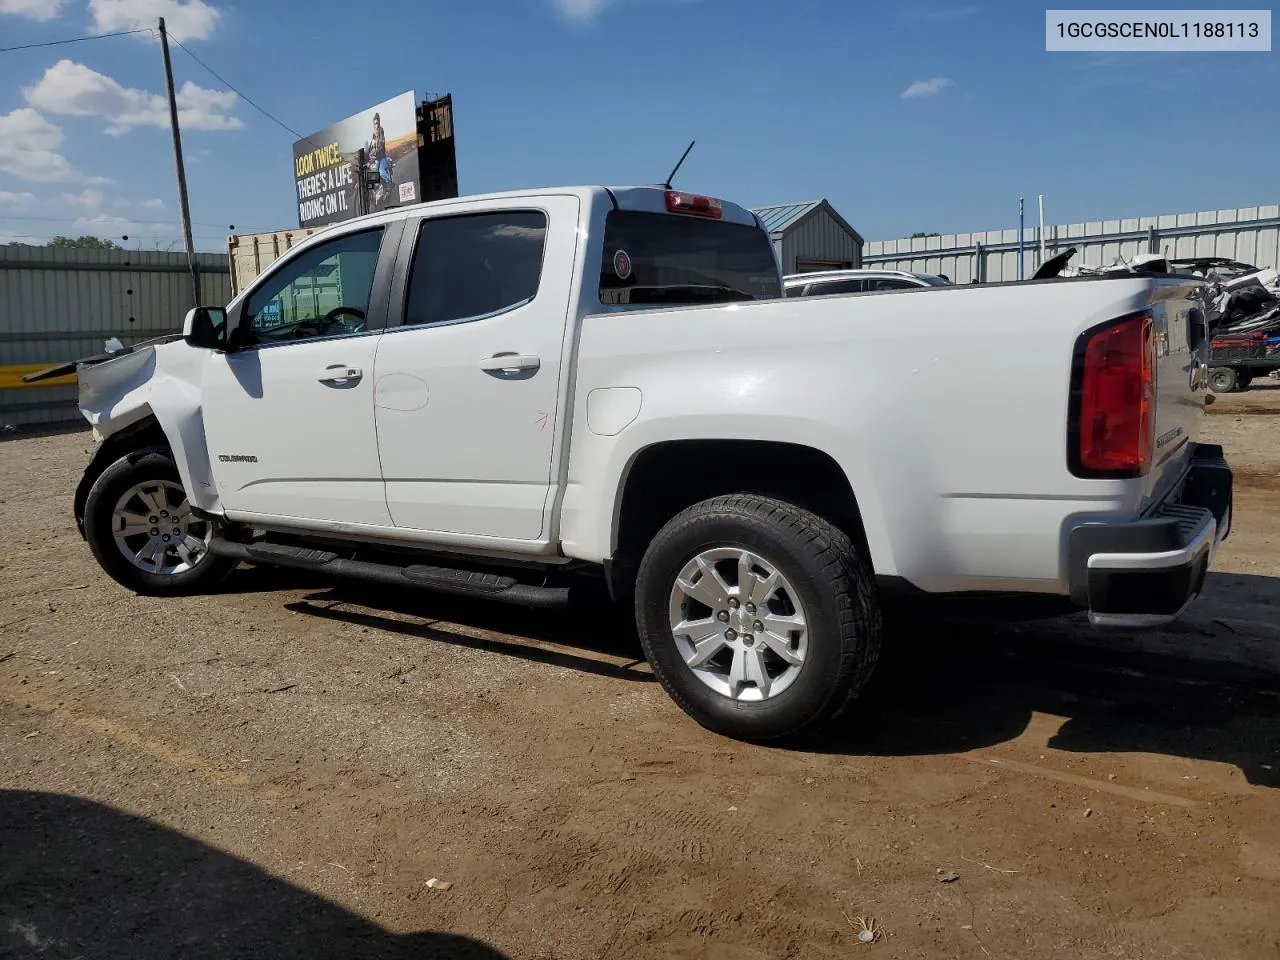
{"points": [[1117, 398], [693, 205]]}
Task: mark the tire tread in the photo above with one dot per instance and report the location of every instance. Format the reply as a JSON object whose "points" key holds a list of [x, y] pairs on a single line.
{"points": [[847, 577]]}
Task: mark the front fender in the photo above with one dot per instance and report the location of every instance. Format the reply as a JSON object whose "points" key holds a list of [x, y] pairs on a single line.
{"points": [[160, 385]]}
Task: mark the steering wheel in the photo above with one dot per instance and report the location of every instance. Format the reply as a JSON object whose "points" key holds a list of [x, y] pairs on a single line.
{"points": [[330, 318]]}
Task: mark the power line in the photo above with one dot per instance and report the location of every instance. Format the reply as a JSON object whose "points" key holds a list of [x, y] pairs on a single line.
{"points": [[221, 79], [56, 43]]}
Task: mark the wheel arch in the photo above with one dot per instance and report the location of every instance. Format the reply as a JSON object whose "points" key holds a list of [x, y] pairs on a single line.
{"points": [[140, 437], [657, 484]]}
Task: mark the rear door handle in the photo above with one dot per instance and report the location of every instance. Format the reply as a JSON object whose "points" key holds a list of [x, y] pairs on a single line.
{"points": [[340, 373], [508, 364]]}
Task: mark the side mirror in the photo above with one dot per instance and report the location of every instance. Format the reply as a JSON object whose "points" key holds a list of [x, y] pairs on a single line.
{"points": [[206, 327]]}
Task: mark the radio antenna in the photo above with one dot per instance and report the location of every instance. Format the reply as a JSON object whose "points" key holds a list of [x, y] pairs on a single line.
{"points": [[679, 164]]}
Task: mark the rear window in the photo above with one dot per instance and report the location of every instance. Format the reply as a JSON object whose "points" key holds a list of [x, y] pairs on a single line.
{"points": [[661, 258]]}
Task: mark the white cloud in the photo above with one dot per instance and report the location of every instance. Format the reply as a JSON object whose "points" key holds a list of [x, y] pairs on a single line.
{"points": [[153, 204], [114, 227], [185, 19], [17, 201], [42, 10], [72, 88], [88, 199], [581, 10], [29, 147], [927, 88]]}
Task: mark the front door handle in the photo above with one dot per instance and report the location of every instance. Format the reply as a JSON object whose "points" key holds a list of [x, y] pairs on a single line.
{"points": [[510, 364], [340, 374]]}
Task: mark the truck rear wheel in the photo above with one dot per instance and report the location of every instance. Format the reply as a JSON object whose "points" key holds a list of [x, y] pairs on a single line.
{"points": [[141, 530], [1222, 380], [760, 619]]}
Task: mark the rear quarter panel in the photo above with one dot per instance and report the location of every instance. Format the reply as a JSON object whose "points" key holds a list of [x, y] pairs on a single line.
{"points": [[946, 407]]}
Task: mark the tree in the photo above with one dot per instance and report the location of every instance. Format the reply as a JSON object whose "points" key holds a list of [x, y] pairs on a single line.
{"points": [[919, 235], [84, 243]]}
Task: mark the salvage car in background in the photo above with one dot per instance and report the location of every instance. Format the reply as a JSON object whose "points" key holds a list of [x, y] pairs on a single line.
{"points": [[857, 281]]}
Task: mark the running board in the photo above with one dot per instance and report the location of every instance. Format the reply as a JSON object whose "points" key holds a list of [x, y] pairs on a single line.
{"points": [[465, 583]]}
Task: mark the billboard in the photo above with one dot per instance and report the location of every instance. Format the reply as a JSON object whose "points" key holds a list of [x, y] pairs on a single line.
{"points": [[365, 163]]}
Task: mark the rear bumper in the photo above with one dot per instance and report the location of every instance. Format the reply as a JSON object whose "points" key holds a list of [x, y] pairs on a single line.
{"points": [[1144, 573]]}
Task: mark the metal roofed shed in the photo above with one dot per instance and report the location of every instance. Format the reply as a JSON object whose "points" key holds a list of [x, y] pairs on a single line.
{"points": [[811, 236]]}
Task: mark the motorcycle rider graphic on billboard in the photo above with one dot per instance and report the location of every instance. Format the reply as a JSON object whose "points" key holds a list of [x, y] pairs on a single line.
{"points": [[380, 162]]}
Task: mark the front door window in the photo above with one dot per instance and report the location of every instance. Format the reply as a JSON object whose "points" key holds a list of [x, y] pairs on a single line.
{"points": [[324, 292]]}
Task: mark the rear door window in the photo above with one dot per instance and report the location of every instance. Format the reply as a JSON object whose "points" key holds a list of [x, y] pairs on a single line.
{"points": [[475, 265], [661, 258]]}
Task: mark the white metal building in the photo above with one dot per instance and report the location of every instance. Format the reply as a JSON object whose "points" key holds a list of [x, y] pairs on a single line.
{"points": [[811, 236]]}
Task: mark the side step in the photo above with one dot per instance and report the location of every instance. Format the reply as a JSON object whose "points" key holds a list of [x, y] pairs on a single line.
{"points": [[465, 583]]}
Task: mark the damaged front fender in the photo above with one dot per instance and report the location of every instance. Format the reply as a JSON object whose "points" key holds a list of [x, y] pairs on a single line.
{"points": [[157, 385]]}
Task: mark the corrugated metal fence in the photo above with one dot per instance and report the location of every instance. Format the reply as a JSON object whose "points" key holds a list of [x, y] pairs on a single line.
{"points": [[59, 304], [1250, 234]]}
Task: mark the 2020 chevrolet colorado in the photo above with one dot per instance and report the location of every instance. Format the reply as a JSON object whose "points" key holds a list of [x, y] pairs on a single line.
{"points": [[490, 395]]}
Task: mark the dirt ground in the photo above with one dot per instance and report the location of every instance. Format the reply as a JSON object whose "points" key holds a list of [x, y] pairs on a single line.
{"points": [[278, 771]]}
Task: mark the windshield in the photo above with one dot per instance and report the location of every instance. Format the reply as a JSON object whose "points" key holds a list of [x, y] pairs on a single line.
{"points": [[661, 258]]}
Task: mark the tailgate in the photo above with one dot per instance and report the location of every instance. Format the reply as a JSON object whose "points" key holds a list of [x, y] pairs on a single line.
{"points": [[1180, 382]]}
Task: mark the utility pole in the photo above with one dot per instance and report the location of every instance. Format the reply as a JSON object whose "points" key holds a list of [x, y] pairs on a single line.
{"points": [[182, 172], [1022, 234]]}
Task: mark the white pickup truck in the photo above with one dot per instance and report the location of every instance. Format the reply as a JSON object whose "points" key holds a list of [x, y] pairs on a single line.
{"points": [[493, 396]]}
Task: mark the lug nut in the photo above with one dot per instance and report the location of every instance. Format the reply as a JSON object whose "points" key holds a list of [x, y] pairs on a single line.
{"points": [[164, 513], [758, 627], [155, 532], [751, 609], [153, 519], [731, 635], [748, 640], [723, 616], [733, 603], [165, 538]]}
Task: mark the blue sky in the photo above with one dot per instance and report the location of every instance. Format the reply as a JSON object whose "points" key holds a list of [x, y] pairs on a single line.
{"points": [[787, 102]]}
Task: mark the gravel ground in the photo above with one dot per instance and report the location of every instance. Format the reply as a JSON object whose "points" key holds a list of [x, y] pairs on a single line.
{"points": [[279, 770]]}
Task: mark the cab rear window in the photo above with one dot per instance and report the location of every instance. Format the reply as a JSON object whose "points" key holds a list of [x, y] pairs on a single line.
{"points": [[661, 258]]}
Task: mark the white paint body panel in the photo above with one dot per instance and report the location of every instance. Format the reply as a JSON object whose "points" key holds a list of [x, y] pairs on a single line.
{"points": [[476, 457], [315, 443], [946, 409]]}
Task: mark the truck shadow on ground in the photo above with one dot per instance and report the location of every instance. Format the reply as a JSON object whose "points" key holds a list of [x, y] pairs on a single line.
{"points": [[592, 627], [79, 879], [942, 687], [949, 688]]}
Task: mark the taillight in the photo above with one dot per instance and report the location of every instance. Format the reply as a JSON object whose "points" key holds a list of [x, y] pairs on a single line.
{"points": [[1112, 433], [693, 205]]}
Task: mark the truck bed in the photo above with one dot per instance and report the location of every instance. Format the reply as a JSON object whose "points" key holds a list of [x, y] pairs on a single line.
{"points": [[952, 411]]}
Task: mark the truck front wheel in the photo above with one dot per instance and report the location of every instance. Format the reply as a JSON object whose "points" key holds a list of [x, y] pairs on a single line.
{"points": [[141, 530], [760, 619]]}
